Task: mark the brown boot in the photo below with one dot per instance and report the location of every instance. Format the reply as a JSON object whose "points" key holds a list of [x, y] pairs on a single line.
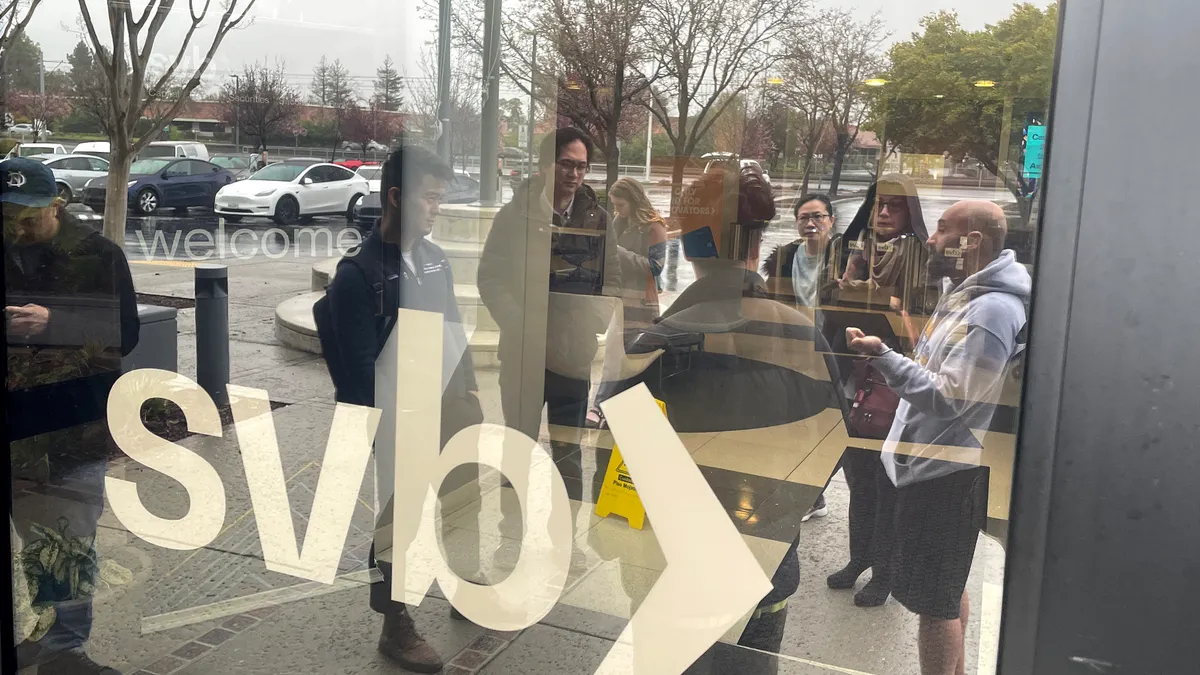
{"points": [[400, 642]]}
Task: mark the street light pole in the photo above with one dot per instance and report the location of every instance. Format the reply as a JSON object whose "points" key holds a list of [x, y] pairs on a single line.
{"points": [[532, 107], [443, 114], [237, 113], [649, 140], [489, 155]]}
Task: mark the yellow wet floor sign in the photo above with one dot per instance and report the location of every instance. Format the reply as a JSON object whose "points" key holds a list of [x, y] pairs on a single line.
{"points": [[619, 496]]}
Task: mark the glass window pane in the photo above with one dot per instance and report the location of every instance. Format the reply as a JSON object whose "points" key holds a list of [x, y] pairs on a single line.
{"points": [[807, 231]]}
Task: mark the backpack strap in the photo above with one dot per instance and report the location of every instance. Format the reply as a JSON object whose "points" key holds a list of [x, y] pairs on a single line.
{"points": [[385, 290]]}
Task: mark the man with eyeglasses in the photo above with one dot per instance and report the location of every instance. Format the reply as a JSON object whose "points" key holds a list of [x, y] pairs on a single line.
{"points": [[549, 256]]}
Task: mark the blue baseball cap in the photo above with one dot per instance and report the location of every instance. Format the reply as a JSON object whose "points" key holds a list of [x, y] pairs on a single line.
{"points": [[27, 182]]}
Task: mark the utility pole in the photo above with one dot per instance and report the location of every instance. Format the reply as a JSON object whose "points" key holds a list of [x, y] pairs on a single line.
{"points": [[649, 141], [532, 89], [443, 140], [38, 124], [237, 113], [489, 155]]}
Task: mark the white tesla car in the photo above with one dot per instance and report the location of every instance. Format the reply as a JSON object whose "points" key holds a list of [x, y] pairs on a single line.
{"points": [[374, 175], [293, 190]]}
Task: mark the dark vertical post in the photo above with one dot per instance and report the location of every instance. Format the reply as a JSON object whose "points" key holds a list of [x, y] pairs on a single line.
{"points": [[532, 103], [489, 155], [443, 141], [212, 330]]}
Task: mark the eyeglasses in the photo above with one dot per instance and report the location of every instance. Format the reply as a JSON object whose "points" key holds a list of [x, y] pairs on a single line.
{"points": [[811, 217], [892, 205], [567, 166]]}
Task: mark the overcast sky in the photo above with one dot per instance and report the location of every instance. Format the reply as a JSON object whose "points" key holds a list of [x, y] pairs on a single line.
{"points": [[361, 32]]}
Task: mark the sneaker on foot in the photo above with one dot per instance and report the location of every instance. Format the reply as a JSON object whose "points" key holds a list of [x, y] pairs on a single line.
{"points": [[400, 642], [817, 510], [845, 578], [875, 593]]}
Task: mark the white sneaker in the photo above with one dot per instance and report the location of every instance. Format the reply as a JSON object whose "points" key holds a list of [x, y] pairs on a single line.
{"points": [[817, 510]]}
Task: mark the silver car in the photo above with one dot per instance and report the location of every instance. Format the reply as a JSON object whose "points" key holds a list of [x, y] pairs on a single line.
{"points": [[71, 172]]}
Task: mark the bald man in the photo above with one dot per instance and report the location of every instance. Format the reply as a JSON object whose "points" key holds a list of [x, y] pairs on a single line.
{"points": [[948, 388]]}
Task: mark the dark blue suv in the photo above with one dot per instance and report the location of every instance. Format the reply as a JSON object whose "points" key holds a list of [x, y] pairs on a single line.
{"points": [[165, 182]]}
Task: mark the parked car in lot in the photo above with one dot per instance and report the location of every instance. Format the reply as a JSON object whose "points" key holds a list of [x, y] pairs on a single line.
{"points": [[373, 173], [100, 149], [162, 182], [291, 190], [373, 146], [26, 129], [31, 149], [716, 159], [192, 149], [462, 190], [72, 172], [354, 164], [241, 166]]}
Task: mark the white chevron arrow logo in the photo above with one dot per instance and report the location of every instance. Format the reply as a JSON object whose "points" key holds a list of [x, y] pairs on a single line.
{"points": [[712, 579]]}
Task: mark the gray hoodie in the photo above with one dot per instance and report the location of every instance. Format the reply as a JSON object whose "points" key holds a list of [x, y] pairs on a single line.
{"points": [[952, 383]]}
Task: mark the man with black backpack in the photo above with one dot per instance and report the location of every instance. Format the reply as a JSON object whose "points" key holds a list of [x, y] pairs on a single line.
{"points": [[396, 267]]}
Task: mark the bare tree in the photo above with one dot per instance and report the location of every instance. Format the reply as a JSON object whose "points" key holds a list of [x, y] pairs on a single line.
{"points": [[600, 44], [465, 96], [800, 92], [14, 17], [370, 122], [261, 101], [710, 51], [43, 109], [133, 91], [590, 59], [848, 52]]}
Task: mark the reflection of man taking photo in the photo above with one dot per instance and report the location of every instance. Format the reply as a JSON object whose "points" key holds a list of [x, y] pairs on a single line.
{"points": [[71, 315], [949, 387]]}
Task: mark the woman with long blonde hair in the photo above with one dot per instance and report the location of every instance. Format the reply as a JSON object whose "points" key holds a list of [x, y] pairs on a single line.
{"points": [[642, 250]]}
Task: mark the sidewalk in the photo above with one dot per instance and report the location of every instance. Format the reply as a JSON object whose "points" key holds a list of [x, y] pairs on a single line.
{"points": [[219, 610]]}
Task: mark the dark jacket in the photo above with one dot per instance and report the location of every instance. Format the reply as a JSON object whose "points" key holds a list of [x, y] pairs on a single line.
{"points": [[749, 371], [360, 314], [519, 245], [62, 377], [778, 265]]}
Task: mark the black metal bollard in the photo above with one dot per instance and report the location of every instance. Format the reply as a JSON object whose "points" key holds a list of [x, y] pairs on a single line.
{"points": [[212, 330]]}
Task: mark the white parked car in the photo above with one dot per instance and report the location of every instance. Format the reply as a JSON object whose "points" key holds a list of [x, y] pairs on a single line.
{"points": [[101, 149], [30, 149], [290, 190], [716, 159], [374, 175], [191, 149]]}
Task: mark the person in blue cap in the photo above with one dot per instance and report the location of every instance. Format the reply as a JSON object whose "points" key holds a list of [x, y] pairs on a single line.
{"points": [[71, 316]]}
